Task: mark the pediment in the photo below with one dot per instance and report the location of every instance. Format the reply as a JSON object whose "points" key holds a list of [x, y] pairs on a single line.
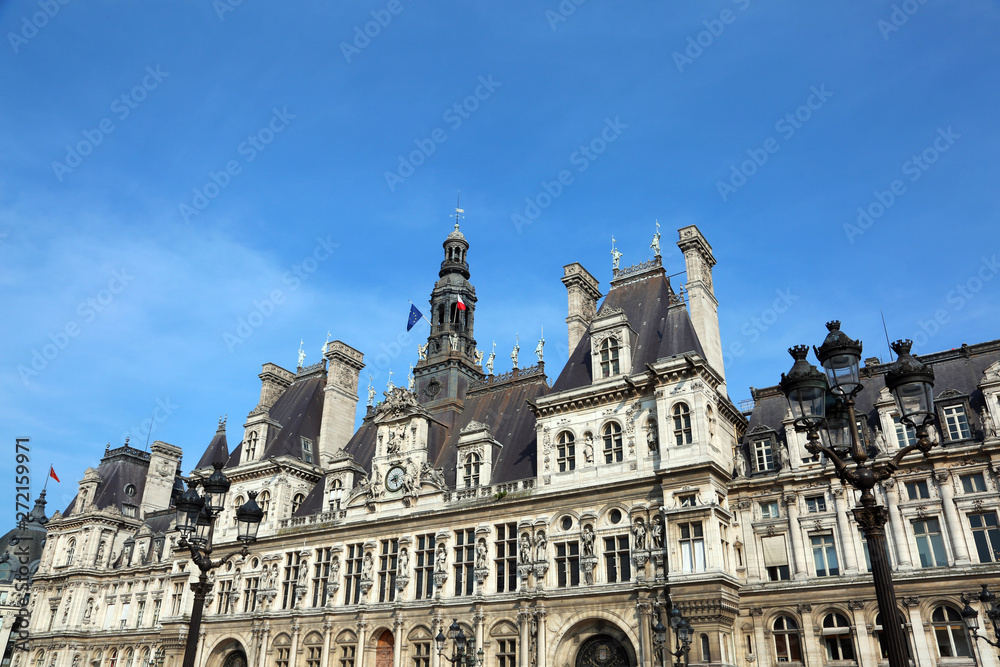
{"points": [[992, 373]]}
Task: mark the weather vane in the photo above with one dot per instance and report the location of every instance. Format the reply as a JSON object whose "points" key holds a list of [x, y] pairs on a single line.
{"points": [[459, 212]]}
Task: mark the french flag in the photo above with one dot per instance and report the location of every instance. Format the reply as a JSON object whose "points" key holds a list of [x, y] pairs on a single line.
{"points": [[461, 304]]}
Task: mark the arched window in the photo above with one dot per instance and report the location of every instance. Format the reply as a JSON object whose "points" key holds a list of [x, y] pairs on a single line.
{"points": [[282, 649], [880, 636], [113, 658], [144, 657], [787, 643], [314, 650], [70, 551], [238, 503], [609, 358], [472, 465], [264, 501], [129, 657], [567, 452], [682, 425], [613, 443], [40, 659], [251, 445], [706, 649], [5, 571], [98, 659], [837, 637], [297, 502], [950, 633]]}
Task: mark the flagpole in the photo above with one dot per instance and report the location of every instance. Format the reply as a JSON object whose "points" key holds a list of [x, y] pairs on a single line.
{"points": [[45, 485], [421, 314]]}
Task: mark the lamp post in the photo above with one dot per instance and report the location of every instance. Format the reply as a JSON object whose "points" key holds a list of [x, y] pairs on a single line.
{"points": [[826, 401], [463, 648], [682, 635], [196, 516], [992, 610]]}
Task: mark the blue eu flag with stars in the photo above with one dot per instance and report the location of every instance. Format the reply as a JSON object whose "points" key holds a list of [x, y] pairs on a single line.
{"points": [[414, 316]]}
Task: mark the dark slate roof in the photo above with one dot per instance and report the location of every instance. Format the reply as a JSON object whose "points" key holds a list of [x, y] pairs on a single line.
{"points": [[30, 537], [314, 499], [662, 331], [119, 468], [217, 450], [299, 410], [959, 369]]}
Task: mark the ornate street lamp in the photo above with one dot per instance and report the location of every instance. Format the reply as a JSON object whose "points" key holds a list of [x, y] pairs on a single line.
{"points": [[462, 652], [682, 633], [826, 401], [196, 517], [659, 638], [992, 610]]}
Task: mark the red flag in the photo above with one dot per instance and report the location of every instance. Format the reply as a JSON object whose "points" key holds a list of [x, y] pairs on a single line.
{"points": [[52, 474], [461, 304]]}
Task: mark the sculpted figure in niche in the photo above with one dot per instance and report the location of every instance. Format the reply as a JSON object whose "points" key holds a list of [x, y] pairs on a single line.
{"points": [[404, 562], [780, 458], [989, 426], [540, 546], [652, 436], [588, 540], [525, 549], [482, 554], [100, 554], [367, 566], [588, 447], [639, 534], [441, 558], [335, 569], [656, 534], [89, 611]]}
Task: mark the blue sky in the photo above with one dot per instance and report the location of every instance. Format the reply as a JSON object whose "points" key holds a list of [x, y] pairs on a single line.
{"points": [[167, 169]]}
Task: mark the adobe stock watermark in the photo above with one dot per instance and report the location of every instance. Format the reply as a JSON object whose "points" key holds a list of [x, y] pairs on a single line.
{"points": [[913, 169], [87, 310], [563, 11], [454, 116], [697, 43], [756, 326], [363, 35], [122, 106], [248, 149], [957, 298], [266, 307], [143, 431], [30, 25], [786, 126], [223, 7], [581, 158], [900, 15]]}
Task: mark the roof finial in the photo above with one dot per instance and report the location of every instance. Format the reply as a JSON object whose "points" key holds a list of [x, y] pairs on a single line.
{"points": [[326, 345], [302, 353], [655, 245], [222, 422], [615, 254], [459, 212]]}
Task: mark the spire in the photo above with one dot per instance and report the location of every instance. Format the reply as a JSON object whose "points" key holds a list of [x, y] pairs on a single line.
{"points": [[37, 513], [217, 450]]}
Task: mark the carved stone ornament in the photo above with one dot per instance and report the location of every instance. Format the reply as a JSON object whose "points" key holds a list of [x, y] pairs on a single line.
{"points": [[398, 402], [803, 607]]}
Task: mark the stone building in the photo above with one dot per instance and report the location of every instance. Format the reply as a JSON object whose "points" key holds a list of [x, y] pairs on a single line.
{"points": [[553, 522]]}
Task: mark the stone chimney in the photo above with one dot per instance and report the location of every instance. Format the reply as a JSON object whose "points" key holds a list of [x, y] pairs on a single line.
{"points": [[273, 381], [704, 308], [340, 398], [583, 293], [160, 479]]}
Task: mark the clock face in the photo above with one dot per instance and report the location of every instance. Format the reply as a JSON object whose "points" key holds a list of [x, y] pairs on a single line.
{"points": [[394, 480]]}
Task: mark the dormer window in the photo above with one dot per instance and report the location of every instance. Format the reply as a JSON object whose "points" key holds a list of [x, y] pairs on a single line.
{"points": [[763, 453], [610, 364], [307, 450], [251, 447], [682, 425], [956, 422], [906, 435], [473, 463], [297, 502]]}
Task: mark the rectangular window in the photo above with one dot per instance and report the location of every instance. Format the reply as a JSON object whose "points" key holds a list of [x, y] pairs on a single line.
{"points": [[617, 559], [292, 561], [906, 435], [930, 543], [421, 654], [250, 586], [140, 610], [769, 509], [568, 564], [986, 535], [688, 501], [824, 555], [423, 571], [763, 455], [507, 652], [505, 560], [692, 543], [566, 450], [176, 599], [222, 598], [957, 422], [281, 659], [321, 576], [724, 545], [307, 450], [157, 605], [815, 504], [314, 656], [775, 557], [352, 573], [387, 563], [347, 655], [917, 490], [974, 483], [465, 561]]}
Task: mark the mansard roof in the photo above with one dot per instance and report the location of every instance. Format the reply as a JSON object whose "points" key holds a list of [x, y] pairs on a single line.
{"points": [[959, 370], [662, 331], [119, 468]]}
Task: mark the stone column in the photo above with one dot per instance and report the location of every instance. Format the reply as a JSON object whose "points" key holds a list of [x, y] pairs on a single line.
{"points": [[264, 644], [865, 645], [812, 652], [327, 638], [293, 651], [952, 522], [524, 619], [920, 645], [397, 641], [903, 561], [540, 658], [479, 618], [799, 570], [642, 610], [754, 566], [359, 657], [848, 536], [435, 628]]}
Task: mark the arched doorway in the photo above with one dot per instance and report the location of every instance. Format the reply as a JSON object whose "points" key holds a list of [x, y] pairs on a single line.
{"points": [[602, 651], [384, 649], [235, 658]]}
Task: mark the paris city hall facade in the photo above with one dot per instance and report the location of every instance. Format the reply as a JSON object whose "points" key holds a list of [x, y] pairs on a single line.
{"points": [[556, 521]]}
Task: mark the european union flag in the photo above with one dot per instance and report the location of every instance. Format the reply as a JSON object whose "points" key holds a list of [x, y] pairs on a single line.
{"points": [[414, 316]]}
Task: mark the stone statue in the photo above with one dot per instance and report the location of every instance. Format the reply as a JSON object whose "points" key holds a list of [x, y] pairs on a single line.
{"points": [[303, 573], [540, 348], [335, 569], [99, 560], [453, 338], [481, 555], [89, 611], [432, 474], [656, 534], [411, 383], [655, 245], [588, 540], [440, 559], [740, 463], [525, 549], [479, 356], [367, 566], [639, 534], [491, 359], [588, 448], [652, 436], [302, 353], [989, 425], [780, 460], [403, 563], [409, 483], [540, 544], [615, 255], [517, 348], [422, 351], [371, 392], [393, 445], [880, 445]]}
